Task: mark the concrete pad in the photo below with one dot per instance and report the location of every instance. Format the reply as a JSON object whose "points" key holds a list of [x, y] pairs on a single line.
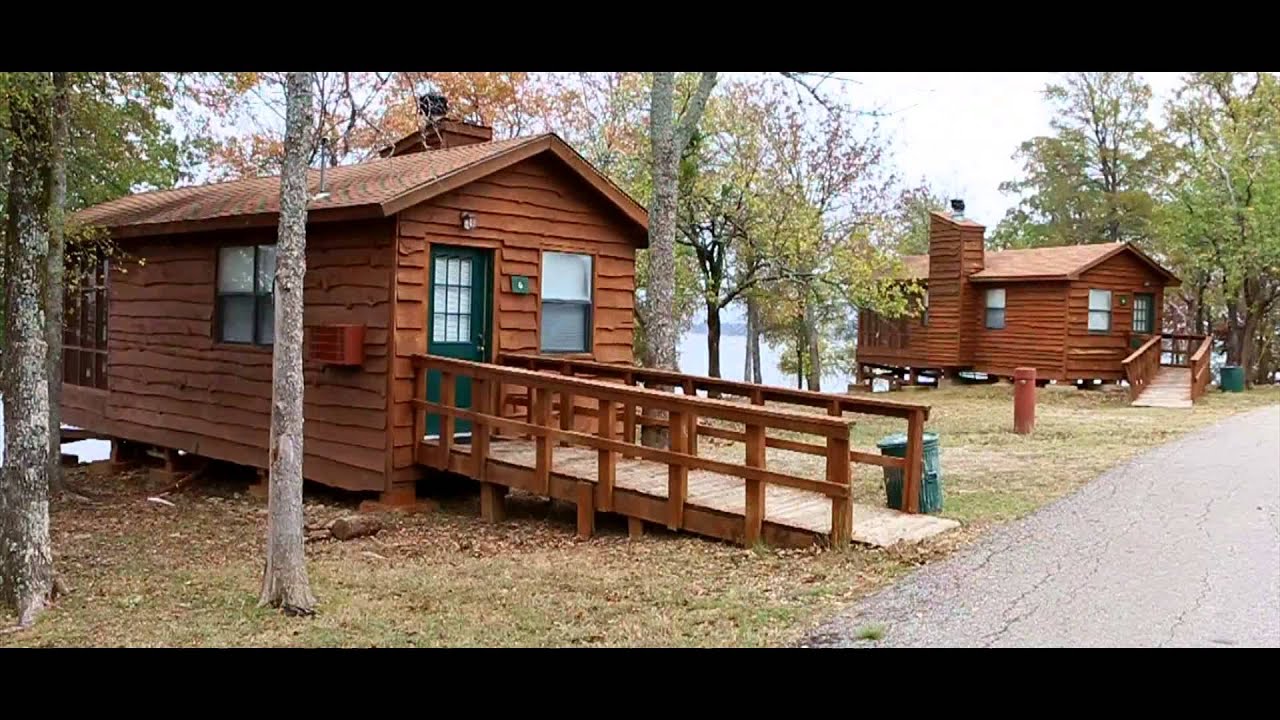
{"points": [[882, 526]]}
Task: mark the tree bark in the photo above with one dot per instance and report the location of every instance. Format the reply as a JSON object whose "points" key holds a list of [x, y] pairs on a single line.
{"points": [[667, 141], [26, 557], [284, 581], [815, 356], [56, 266], [755, 372], [713, 345], [661, 334]]}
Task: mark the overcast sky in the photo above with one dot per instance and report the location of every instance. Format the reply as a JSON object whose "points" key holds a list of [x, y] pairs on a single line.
{"points": [[959, 130]]}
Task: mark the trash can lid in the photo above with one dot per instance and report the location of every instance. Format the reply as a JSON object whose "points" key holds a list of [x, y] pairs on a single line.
{"points": [[899, 440]]}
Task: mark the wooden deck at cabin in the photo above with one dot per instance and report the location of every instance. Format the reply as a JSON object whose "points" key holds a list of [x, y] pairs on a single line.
{"points": [[669, 486]]}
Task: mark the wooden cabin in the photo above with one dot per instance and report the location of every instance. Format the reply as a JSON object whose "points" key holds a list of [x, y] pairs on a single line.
{"points": [[464, 249], [1073, 313]]}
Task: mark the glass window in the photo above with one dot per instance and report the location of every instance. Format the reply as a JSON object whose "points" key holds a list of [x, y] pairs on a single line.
{"points": [[246, 297], [1144, 313], [995, 308], [451, 300], [1099, 310], [566, 302], [84, 326]]}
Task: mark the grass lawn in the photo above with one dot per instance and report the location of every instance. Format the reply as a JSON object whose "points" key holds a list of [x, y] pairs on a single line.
{"points": [[146, 574]]}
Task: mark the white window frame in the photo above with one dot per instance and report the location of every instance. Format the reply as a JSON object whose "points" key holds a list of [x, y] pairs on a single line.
{"points": [[1003, 296], [1099, 311], [588, 303]]}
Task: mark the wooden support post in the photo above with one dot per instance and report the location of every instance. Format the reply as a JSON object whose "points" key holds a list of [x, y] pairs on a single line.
{"points": [[838, 472], [608, 459], [528, 407], [635, 528], [677, 473], [542, 453], [493, 502], [586, 509], [915, 463], [419, 413], [755, 509], [482, 403], [262, 488], [566, 414], [629, 416], [448, 398], [757, 396], [691, 421]]}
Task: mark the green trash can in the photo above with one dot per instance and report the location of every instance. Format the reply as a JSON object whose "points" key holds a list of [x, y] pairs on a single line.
{"points": [[895, 445], [1231, 378]]}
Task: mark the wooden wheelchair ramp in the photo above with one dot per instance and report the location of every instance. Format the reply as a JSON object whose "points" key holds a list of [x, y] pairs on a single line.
{"points": [[606, 470]]}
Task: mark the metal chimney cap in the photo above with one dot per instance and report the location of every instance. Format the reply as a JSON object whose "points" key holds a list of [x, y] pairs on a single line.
{"points": [[957, 206]]}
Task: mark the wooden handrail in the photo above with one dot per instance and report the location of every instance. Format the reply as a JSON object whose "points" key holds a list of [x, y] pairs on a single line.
{"points": [[704, 407], [1141, 366], [683, 411], [1199, 363], [769, 393], [1144, 347]]}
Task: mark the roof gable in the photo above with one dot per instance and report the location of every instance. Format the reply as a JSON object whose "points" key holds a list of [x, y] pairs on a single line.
{"points": [[378, 188], [1065, 262]]}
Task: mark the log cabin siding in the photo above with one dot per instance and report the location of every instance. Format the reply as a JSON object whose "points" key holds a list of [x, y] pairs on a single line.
{"points": [[877, 348], [532, 206], [945, 288], [1034, 332], [1098, 355], [172, 384]]}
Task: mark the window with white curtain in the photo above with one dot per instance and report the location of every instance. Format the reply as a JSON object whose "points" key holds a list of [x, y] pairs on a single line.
{"points": [[566, 302], [1099, 311]]}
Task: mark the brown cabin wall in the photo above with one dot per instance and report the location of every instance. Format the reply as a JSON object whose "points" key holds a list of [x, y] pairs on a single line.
{"points": [[912, 353], [1034, 333], [1099, 355], [171, 384], [532, 206]]}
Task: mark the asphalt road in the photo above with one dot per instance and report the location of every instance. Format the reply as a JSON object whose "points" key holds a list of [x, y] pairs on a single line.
{"points": [[1178, 548]]}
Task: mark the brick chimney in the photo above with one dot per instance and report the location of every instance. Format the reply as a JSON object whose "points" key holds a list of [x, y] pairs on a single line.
{"points": [[437, 130]]}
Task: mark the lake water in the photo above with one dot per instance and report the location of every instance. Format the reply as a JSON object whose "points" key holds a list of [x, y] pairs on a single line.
{"points": [[733, 356]]}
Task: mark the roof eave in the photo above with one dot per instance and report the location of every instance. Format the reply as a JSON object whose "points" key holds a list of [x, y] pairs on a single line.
{"points": [[1019, 278], [235, 222]]}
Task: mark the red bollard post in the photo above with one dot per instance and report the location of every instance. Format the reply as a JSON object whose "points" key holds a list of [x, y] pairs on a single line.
{"points": [[1024, 400]]}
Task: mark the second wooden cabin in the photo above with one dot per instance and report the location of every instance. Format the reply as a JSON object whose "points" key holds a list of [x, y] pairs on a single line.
{"points": [[1072, 312]]}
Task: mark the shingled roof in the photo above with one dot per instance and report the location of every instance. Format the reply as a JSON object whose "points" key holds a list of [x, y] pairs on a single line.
{"points": [[378, 188], [1065, 262]]}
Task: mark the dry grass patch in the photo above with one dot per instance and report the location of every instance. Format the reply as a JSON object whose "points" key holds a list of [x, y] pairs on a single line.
{"points": [[149, 575]]}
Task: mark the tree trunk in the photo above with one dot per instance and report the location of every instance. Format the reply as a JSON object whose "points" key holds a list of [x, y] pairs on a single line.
{"points": [[802, 342], [667, 138], [284, 581], [713, 345], [56, 265], [814, 350], [1248, 350], [26, 557], [1235, 336], [753, 344], [661, 334]]}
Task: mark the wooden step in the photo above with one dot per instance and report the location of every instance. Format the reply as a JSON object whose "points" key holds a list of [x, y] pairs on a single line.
{"points": [[1170, 388]]}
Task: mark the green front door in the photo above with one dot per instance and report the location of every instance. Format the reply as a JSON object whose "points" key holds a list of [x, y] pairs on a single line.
{"points": [[460, 305]]}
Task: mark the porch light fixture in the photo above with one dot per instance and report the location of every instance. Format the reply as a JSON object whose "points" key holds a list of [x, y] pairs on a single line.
{"points": [[468, 221]]}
